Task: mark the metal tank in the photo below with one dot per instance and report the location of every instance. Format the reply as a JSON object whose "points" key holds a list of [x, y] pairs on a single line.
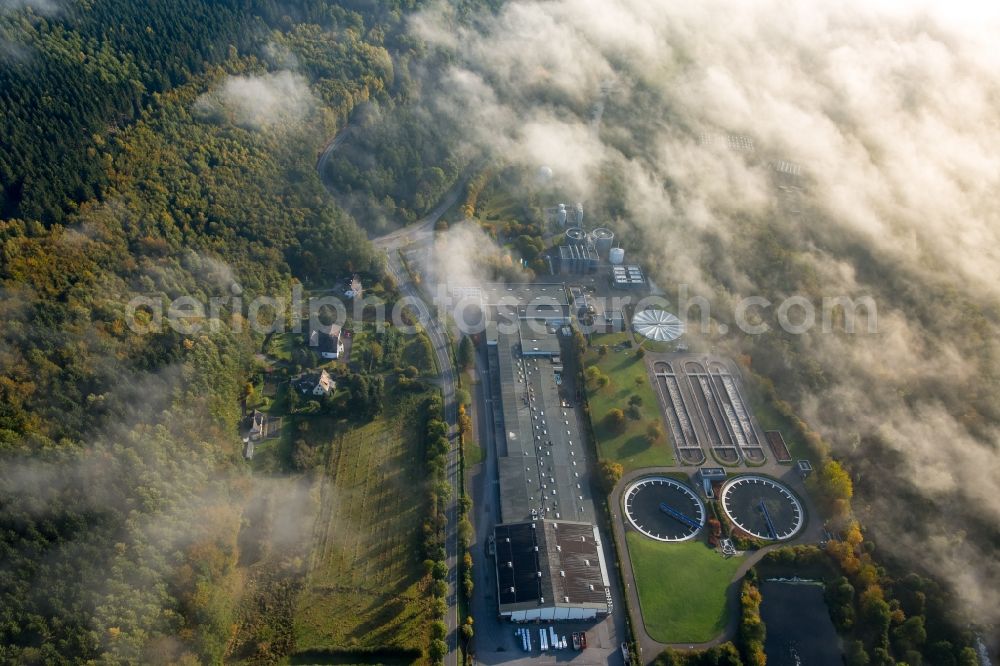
{"points": [[603, 240], [576, 236]]}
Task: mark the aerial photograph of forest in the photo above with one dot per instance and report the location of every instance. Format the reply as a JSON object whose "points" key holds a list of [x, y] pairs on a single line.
{"points": [[499, 332]]}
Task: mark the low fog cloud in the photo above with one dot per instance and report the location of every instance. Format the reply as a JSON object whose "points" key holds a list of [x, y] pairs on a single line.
{"points": [[860, 139], [46, 7], [465, 256], [276, 100]]}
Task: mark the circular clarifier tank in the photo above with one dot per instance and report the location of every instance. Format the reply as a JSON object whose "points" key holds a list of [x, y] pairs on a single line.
{"points": [[663, 509], [762, 507]]}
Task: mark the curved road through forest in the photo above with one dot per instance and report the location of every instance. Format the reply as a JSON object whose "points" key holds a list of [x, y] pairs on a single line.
{"points": [[390, 243]]}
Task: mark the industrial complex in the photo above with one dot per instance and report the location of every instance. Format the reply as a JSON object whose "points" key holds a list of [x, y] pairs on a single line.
{"points": [[548, 551], [549, 556]]}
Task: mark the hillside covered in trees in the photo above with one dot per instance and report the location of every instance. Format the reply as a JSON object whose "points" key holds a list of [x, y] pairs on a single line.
{"points": [[160, 150]]}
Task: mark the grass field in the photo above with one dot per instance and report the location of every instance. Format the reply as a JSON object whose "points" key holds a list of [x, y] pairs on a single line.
{"points": [[281, 346], [682, 588], [474, 453], [624, 368], [498, 205], [418, 351], [365, 585], [770, 419]]}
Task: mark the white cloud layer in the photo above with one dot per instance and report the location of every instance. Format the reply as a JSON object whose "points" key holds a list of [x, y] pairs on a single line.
{"points": [[276, 100], [891, 111]]}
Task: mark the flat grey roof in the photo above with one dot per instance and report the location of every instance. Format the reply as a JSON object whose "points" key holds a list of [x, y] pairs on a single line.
{"points": [[498, 293], [536, 340], [545, 467]]}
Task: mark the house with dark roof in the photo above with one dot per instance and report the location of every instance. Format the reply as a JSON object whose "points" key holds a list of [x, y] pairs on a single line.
{"points": [[258, 426], [328, 341], [315, 383]]}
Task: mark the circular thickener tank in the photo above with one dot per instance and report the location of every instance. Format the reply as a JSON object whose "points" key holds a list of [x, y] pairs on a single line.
{"points": [[576, 236], [663, 509], [603, 238], [617, 256], [762, 507]]}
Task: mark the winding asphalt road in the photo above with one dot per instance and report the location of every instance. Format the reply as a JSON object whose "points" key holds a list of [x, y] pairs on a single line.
{"points": [[422, 231]]}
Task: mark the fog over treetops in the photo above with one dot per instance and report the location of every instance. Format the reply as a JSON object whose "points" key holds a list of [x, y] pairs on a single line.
{"points": [[776, 149]]}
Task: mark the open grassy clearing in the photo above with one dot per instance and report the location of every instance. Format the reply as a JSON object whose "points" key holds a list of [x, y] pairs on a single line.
{"points": [[625, 370], [770, 418], [419, 352], [271, 455], [365, 586], [682, 588], [498, 205], [282, 345]]}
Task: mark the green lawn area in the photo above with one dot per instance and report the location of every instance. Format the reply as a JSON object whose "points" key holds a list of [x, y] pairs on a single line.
{"points": [[682, 588], [473, 453], [419, 352], [770, 419], [365, 585], [282, 344], [630, 447], [498, 205]]}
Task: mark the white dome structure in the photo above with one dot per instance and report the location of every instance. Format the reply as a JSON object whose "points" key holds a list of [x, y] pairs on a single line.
{"points": [[658, 325]]}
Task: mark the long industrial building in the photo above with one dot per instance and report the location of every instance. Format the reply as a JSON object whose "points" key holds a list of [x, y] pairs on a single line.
{"points": [[544, 479], [551, 570]]}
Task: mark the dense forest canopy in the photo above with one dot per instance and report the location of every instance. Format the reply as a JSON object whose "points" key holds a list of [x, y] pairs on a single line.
{"points": [[74, 74], [139, 160]]}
